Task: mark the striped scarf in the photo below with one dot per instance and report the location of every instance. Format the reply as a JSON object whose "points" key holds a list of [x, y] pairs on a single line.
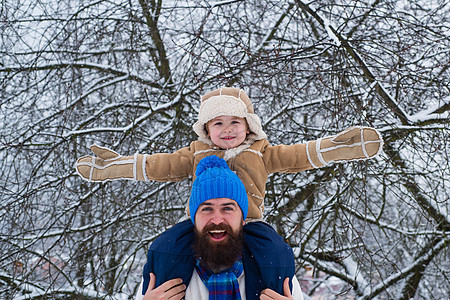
{"points": [[223, 285]]}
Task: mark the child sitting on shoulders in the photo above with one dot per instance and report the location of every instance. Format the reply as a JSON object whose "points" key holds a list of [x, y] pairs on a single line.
{"points": [[228, 128]]}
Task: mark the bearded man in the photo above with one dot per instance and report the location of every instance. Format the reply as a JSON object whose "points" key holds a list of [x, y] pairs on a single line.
{"points": [[218, 265]]}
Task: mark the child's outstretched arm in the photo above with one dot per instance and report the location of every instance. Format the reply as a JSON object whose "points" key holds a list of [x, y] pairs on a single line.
{"points": [[109, 165], [354, 143]]}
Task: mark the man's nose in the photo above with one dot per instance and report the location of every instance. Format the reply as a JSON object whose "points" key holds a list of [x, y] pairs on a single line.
{"points": [[216, 218]]}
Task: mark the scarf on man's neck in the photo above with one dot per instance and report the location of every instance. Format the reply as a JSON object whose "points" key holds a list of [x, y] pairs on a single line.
{"points": [[223, 285]]}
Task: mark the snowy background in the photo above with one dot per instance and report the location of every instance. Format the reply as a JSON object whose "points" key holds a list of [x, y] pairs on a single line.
{"points": [[128, 74]]}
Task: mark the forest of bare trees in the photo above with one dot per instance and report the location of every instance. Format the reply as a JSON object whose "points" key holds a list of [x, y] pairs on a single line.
{"points": [[128, 75]]}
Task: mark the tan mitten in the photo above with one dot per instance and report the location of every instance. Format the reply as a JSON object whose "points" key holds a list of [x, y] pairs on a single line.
{"points": [[109, 165], [355, 143]]}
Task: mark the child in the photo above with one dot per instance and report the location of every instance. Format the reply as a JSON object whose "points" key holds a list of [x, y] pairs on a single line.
{"points": [[228, 128]]}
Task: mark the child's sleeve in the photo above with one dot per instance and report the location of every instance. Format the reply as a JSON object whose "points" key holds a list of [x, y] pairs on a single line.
{"points": [[286, 158], [109, 165], [354, 143], [170, 166]]}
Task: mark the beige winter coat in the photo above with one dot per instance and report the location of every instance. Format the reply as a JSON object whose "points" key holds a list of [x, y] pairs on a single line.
{"points": [[253, 160], [252, 164]]}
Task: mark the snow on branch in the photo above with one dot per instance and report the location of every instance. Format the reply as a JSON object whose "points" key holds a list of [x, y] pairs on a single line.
{"points": [[82, 65], [435, 112], [127, 128], [371, 292], [272, 32], [340, 40], [374, 221]]}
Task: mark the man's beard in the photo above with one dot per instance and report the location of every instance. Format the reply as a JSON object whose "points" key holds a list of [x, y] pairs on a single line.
{"points": [[218, 256]]}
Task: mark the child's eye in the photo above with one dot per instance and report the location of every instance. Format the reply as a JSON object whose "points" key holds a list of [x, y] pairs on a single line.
{"points": [[217, 123]]}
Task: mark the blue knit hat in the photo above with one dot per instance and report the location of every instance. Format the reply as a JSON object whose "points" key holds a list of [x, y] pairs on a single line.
{"points": [[216, 180]]}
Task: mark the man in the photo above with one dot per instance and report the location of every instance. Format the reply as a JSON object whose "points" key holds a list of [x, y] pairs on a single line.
{"points": [[218, 207]]}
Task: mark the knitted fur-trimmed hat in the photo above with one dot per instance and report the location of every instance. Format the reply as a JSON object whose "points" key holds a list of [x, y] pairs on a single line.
{"points": [[216, 180], [227, 102]]}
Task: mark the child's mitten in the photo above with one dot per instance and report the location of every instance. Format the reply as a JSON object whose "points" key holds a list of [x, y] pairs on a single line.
{"points": [[109, 165], [355, 143]]}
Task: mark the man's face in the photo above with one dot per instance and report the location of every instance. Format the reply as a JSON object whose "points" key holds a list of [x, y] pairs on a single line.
{"points": [[218, 228]]}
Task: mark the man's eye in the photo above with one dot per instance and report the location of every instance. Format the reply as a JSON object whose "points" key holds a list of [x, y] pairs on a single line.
{"points": [[228, 208]]}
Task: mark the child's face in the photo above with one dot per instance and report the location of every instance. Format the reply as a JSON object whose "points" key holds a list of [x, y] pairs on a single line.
{"points": [[227, 132]]}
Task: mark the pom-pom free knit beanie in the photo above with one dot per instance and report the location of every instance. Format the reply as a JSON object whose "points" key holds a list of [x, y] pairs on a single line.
{"points": [[216, 180]]}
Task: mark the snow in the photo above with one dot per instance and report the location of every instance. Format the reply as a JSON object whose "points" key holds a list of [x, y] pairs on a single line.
{"points": [[329, 28], [427, 114]]}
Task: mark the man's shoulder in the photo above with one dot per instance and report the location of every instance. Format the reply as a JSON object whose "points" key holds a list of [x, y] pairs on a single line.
{"points": [[176, 240]]}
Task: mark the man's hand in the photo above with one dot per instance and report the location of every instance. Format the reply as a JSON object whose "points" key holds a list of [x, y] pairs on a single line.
{"points": [[270, 294], [173, 289]]}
